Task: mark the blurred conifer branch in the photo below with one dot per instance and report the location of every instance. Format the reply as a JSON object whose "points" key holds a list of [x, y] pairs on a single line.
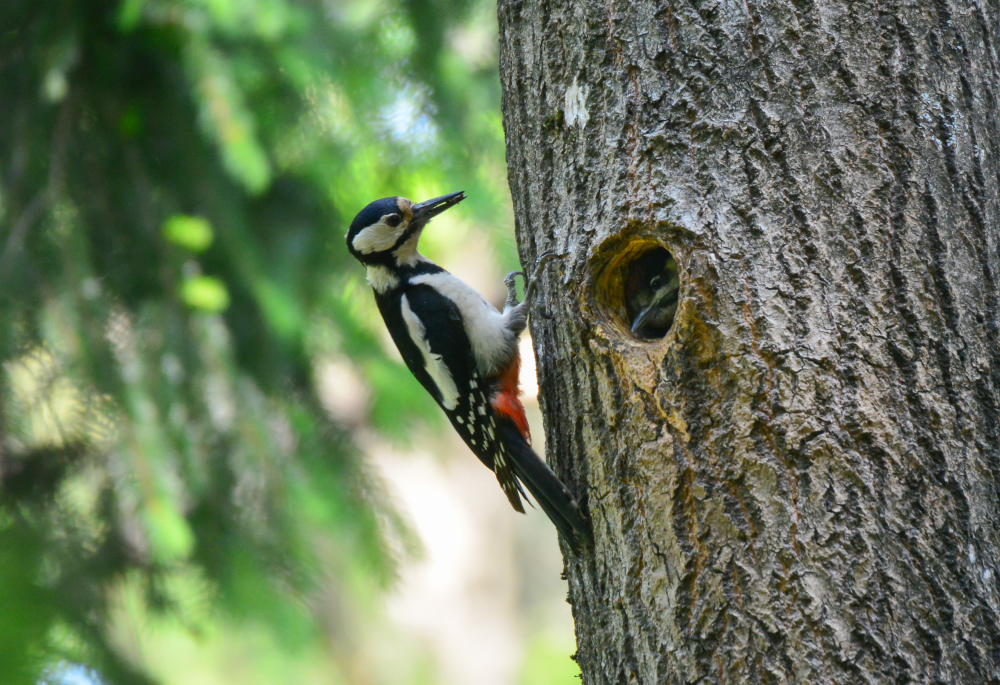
{"points": [[174, 181]]}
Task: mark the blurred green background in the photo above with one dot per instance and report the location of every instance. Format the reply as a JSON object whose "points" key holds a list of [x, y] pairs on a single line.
{"points": [[194, 376]]}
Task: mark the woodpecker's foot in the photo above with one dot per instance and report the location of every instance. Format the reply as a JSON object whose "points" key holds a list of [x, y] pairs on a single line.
{"points": [[511, 283], [516, 313]]}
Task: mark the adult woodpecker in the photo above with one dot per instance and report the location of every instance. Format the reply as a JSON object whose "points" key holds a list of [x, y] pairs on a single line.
{"points": [[461, 349]]}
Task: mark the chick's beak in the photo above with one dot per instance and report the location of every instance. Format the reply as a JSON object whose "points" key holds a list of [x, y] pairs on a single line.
{"points": [[643, 316], [664, 298], [425, 211]]}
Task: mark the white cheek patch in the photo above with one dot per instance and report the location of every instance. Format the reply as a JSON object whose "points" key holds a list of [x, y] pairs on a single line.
{"points": [[378, 237], [435, 366]]}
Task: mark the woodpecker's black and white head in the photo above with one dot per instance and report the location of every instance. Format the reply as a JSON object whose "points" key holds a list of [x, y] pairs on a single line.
{"points": [[386, 232]]}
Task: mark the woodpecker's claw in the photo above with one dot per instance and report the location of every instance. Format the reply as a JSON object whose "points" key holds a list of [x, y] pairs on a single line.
{"points": [[540, 263], [511, 283], [544, 258]]}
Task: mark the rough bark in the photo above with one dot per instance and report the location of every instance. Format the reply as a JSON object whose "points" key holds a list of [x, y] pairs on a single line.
{"points": [[799, 483]]}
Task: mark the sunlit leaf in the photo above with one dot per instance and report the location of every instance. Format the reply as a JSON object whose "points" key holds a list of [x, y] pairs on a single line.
{"points": [[190, 232], [205, 293]]}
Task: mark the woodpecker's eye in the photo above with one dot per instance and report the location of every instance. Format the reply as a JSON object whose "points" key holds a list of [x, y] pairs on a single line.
{"points": [[655, 283], [393, 220]]}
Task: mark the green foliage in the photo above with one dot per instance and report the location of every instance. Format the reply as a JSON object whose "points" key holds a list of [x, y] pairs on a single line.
{"points": [[545, 662], [206, 293], [176, 177], [191, 232]]}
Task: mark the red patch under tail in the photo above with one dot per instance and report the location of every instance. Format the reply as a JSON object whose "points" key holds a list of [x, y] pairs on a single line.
{"points": [[505, 398]]}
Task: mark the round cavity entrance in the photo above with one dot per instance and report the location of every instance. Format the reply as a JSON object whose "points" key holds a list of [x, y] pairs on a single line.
{"points": [[638, 289]]}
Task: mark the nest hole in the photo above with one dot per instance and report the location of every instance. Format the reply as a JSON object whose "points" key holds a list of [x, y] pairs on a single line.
{"points": [[639, 291]]}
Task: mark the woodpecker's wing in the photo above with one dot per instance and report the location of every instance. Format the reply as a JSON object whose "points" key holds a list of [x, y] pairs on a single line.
{"points": [[437, 352]]}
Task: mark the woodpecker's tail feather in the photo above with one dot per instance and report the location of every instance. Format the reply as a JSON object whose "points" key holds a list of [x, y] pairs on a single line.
{"points": [[552, 496]]}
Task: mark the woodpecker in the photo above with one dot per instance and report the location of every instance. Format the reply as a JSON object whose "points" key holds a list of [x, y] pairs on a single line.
{"points": [[651, 291], [461, 349]]}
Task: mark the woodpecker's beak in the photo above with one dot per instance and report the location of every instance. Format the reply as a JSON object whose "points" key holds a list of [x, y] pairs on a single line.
{"points": [[425, 211]]}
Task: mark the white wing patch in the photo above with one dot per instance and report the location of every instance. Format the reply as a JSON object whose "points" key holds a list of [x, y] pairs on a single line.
{"points": [[492, 344], [378, 237], [435, 366]]}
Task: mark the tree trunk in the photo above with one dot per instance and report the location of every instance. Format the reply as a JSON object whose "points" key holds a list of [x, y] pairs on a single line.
{"points": [[801, 481]]}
